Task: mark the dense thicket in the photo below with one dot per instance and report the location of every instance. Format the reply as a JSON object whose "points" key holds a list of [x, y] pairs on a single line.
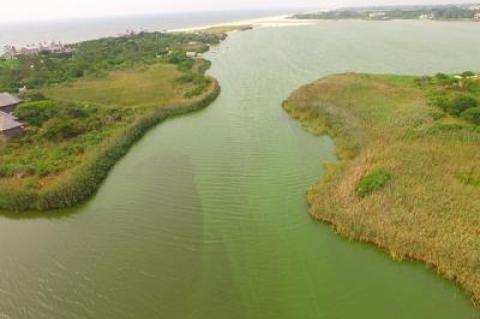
{"points": [[455, 95]]}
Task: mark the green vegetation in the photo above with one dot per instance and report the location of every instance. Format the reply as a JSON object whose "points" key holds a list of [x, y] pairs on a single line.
{"points": [[455, 95], [94, 59], [408, 176], [372, 182], [78, 124], [221, 31], [448, 12], [144, 86]]}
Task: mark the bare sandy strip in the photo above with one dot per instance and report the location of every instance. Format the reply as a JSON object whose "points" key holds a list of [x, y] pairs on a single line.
{"points": [[272, 21]]}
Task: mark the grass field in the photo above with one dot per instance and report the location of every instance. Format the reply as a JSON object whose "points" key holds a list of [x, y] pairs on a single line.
{"points": [[154, 85], [408, 175]]}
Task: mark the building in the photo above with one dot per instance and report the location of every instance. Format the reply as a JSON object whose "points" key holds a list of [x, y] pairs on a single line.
{"points": [[10, 127], [22, 90], [477, 16], [191, 54], [377, 15], [45, 48], [8, 102], [429, 16]]}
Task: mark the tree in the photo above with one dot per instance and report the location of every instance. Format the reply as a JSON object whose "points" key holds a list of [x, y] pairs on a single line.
{"points": [[462, 103], [472, 115], [467, 74]]}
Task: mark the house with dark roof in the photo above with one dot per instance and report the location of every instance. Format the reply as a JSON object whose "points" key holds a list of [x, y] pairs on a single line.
{"points": [[8, 102], [10, 127]]}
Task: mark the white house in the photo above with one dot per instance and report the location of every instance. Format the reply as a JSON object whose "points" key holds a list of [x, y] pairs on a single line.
{"points": [[8, 102], [427, 16], [191, 54], [12, 52], [376, 15]]}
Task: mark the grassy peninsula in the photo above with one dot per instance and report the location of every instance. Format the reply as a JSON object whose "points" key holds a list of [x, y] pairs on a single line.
{"points": [[82, 111], [408, 178]]}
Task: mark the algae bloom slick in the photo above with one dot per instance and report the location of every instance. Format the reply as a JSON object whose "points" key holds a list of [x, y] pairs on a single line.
{"points": [[175, 174]]}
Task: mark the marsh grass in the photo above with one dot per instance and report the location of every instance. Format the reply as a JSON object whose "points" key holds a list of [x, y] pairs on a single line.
{"points": [[430, 209]]}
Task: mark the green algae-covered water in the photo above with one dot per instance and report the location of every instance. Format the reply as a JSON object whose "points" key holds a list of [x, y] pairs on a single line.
{"points": [[206, 216]]}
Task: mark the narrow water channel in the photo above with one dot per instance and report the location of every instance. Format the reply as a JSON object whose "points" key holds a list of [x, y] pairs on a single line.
{"points": [[206, 216]]}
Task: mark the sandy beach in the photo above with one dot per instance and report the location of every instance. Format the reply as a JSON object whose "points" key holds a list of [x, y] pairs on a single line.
{"points": [[266, 22]]}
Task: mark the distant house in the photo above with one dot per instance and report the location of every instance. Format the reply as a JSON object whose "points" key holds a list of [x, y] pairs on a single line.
{"points": [[22, 89], [377, 15], [41, 48], [10, 127], [8, 102], [191, 54], [10, 52], [477, 16], [429, 16]]}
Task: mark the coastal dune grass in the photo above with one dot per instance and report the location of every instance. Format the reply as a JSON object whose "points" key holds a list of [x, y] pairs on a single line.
{"points": [[407, 177]]}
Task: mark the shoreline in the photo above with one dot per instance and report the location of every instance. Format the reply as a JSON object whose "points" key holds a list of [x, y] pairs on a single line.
{"points": [[267, 21], [85, 179], [395, 232], [20, 38]]}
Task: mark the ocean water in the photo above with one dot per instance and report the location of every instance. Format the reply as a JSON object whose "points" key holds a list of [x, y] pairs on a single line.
{"points": [[76, 30]]}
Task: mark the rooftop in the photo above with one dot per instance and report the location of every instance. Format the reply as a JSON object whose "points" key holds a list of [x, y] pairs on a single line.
{"points": [[7, 122], [8, 99]]}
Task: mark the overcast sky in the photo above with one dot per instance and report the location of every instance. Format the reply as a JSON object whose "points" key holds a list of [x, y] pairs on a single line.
{"points": [[25, 10]]}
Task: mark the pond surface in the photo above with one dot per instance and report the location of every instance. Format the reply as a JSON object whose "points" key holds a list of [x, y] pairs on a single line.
{"points": [[206, 216]]}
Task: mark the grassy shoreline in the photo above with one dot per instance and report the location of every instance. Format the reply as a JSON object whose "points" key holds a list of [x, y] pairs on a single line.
{"points": [[426, 212], [78, 128], [85, 179]]}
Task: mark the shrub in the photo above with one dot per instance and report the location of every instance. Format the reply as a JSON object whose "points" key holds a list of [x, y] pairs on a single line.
{"points": [[441, 76], [75, 111], [372, 182], [468, 73], [462, 103], [441, 100], [37, 112], [423, 80], [472, 115], [59, 129], [186, 78], [33, 96]]}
